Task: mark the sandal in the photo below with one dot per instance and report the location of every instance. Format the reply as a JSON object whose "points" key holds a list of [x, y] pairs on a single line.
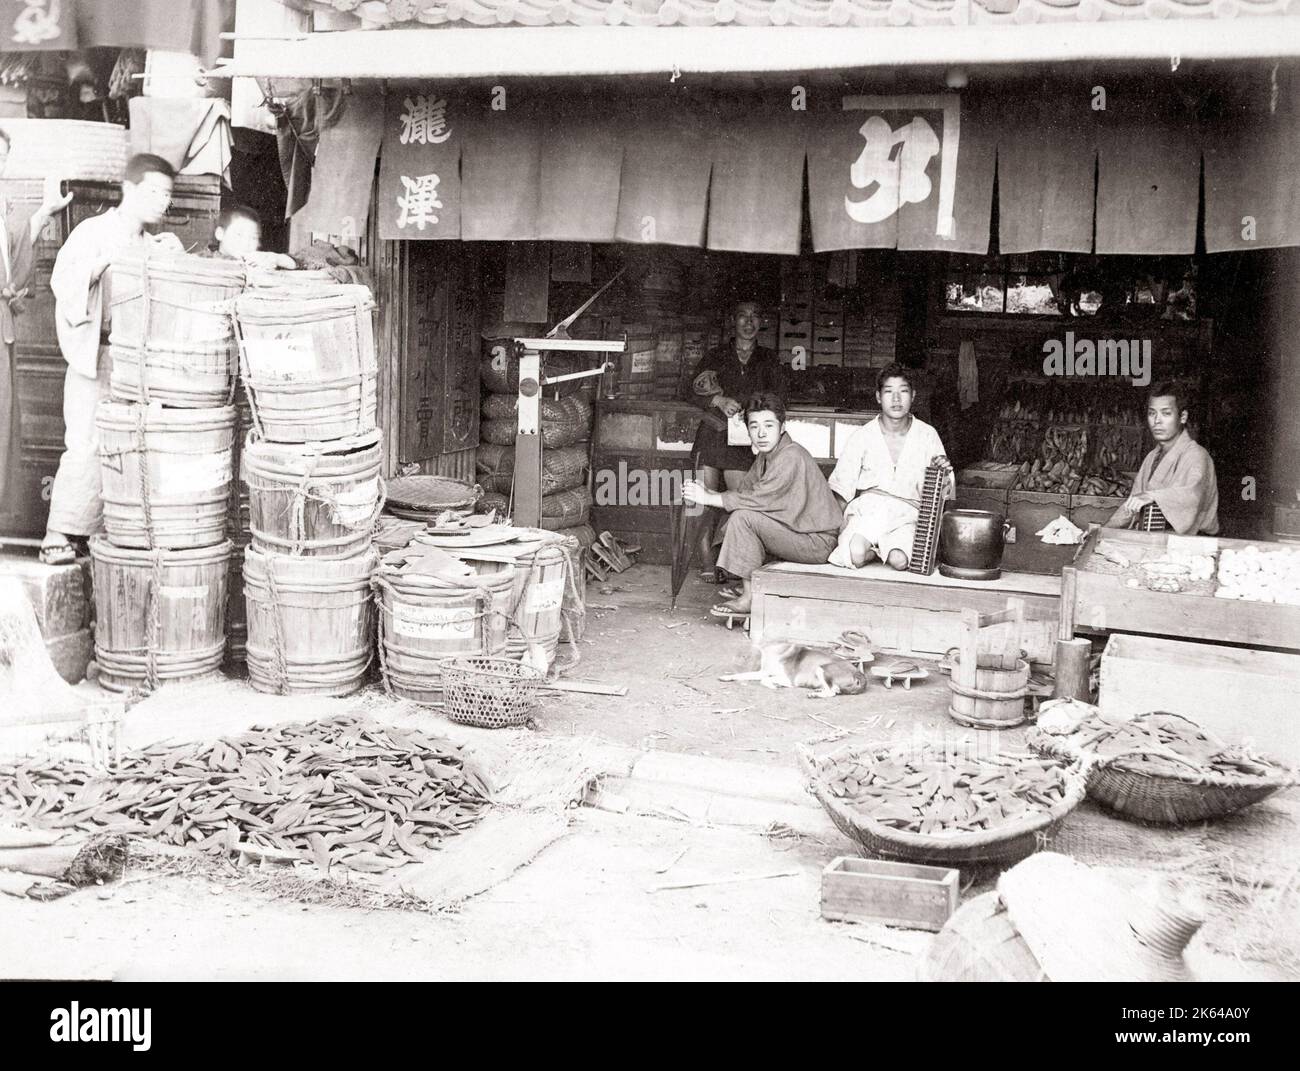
{"points": [[58, 554], [729, 614], [900, 669]]}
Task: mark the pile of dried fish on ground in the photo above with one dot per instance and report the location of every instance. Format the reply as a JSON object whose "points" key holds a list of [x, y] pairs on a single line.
{"points": [[342, 791], [1166, 745], [942, 796]]}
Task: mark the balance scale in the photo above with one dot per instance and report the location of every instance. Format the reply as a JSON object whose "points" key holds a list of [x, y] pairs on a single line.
{"points": [[528, 439]]}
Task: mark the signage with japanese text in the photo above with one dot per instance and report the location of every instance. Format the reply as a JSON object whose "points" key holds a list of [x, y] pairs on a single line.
{"points": [[419, 174]]}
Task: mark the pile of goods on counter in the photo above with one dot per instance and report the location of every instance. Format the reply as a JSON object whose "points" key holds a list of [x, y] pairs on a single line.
{"points": [[1058, 444], [1260, 574], [342, 792], [1156, 568], [1160, 767]]}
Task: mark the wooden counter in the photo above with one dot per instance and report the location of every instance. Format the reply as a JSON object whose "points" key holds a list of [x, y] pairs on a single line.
{"points": [[1102, 602]]}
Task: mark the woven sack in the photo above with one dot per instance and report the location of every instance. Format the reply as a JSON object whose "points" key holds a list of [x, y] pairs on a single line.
{"points": [[68, 148], [505, 407], [566, 509], [554, 433], [492, 500], [562, 469]]}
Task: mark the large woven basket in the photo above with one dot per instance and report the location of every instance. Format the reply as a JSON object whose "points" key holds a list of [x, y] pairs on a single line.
{"points": [[566, 509], [66, 148], [492, 693], [562, 469], [987, 848], [1161, 799]]}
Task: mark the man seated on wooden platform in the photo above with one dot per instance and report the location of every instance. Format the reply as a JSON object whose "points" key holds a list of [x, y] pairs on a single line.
{"points": [[783, 508], [1178, 475], [880, 476]]}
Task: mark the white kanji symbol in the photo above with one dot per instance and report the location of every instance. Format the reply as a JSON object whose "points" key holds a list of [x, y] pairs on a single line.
{"points": [[37, 23], [894, 161], [425, 121], [420, 201]]}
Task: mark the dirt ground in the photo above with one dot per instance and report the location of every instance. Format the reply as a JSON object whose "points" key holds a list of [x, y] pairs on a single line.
{"points": [[586, 907]]}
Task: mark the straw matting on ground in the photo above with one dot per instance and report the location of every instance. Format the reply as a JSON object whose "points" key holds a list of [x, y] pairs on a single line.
{"points": [[535, 781]]}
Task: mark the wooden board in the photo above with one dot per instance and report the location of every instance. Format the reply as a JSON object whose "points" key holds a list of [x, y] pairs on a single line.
{"points": [[892, 894], [902, 613], [1103, 603], [1235, 692]]}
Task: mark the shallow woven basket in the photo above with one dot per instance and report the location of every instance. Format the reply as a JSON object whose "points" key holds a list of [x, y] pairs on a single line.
{"points": [[492, 693], [992, 848], [423, 497], [1161, 799]]}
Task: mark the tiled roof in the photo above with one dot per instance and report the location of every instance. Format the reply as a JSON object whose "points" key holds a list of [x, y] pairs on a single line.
{"points": [[787, 12]]}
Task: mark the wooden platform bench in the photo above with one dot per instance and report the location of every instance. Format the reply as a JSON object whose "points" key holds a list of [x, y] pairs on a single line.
{"points": [[902, 613]]}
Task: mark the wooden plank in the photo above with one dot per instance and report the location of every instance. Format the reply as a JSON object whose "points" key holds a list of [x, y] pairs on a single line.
{"points": [[1069, 597], [893, 894], [897, 592], [1234, 692]]}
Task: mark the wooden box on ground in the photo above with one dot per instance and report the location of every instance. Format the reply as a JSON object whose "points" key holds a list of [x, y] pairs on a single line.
{"points": [[903, 613], [1235, 692], [993, 499], [1103, 602], [893, 894]]}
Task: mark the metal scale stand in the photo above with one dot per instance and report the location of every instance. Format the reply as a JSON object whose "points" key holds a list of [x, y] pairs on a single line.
{"points": [[528, 439]]}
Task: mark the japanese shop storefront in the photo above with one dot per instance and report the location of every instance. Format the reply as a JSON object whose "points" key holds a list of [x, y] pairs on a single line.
{"points": [[869, 178]]}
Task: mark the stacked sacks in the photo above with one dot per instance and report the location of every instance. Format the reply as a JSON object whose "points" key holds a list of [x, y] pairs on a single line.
{"points": [[311, 465], [565, 427], [167, 439]]}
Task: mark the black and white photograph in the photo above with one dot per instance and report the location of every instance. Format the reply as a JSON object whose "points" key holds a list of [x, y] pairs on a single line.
{"points": [[651, 490]]}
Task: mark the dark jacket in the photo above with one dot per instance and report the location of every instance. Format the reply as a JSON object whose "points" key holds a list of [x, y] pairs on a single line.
{"points": [[762, 372]]}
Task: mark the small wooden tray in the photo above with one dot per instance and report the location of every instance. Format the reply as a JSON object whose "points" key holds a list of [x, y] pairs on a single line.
{"points": [[892, 894]]}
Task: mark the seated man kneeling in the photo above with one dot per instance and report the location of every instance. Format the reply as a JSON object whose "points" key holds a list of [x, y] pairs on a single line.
{"points": [[782, 509], [880, 476]]}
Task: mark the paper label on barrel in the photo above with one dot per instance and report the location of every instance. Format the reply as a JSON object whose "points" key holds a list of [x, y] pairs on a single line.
{"points": [[280, 358], [643, 362], [433, 622], [185, 473], [546, 595], [196, 592], [354, 508]]}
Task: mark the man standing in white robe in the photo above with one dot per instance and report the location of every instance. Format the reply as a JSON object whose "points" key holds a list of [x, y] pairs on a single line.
{"points": [[82, 314], [880, 475]]}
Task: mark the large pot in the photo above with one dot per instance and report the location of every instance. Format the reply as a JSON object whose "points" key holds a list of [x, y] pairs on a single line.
{"points": [[971, 543]]}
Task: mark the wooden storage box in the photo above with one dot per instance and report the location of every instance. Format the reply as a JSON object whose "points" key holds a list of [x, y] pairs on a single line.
{"points": [[1030, 511], [993, 499], [1093, 509], [892, 894], [1235, 692]]}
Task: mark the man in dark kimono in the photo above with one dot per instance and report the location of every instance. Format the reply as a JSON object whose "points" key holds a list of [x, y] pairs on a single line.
{"points": [[728, 374], [19, 229]]}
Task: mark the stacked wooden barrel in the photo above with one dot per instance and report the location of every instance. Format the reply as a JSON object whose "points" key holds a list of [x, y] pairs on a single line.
{"points": [[166, 448], [311, 466]]}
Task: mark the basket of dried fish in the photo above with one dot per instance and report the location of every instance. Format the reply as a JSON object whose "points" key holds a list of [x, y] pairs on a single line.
{"points": [[1164, 768], [926, 803]]}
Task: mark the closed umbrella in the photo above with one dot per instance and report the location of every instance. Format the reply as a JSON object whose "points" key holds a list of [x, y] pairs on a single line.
{"points": [[686, 528]]}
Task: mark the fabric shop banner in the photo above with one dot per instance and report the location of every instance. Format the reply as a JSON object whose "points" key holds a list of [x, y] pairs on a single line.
{"points": [[419, 171]]}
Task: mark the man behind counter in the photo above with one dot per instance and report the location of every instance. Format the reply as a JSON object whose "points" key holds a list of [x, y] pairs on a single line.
{"points": [[1178, 475]]}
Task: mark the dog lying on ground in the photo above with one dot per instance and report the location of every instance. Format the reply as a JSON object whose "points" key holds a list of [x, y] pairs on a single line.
{"points": [[792, 665]]}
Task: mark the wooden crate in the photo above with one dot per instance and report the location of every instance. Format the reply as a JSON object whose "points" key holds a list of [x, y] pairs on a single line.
{"points": [[1235, 692], [892, 894], [1093, 509], [1095, 601], [1031, 511]]}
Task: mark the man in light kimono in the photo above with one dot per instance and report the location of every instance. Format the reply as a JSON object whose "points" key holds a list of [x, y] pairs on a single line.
{"points": [[880, 475], [82, 308], [19, 229], [1178, 475]]}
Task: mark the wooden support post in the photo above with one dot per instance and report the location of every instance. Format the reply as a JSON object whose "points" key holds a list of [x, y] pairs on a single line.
{"points": [[528, 444], [1073, 667]]}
